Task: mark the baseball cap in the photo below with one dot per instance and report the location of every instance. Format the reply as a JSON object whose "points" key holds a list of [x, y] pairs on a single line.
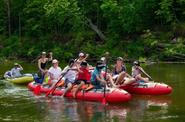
{"points": [[55, 61]]}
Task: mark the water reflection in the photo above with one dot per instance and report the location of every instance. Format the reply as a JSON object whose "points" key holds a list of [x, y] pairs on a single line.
{"points": [[144, 107], [56, 109]]}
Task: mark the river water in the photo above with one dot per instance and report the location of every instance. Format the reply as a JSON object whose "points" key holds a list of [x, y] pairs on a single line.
{"points": [[18, 104]]}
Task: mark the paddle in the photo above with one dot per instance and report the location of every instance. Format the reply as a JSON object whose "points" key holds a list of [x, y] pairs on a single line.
{"points": [[55, 86], [106, 62], [141, 69]]}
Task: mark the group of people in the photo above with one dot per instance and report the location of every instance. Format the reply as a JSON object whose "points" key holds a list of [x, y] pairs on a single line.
{"points": [[79, 72]]}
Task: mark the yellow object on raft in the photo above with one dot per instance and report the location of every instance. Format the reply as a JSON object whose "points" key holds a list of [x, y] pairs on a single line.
{"points": [[21, 80]]}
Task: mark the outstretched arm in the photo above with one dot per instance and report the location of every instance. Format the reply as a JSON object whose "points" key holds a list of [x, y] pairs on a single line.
{"points": [[21, 68], [87, 55], [50, 58]]}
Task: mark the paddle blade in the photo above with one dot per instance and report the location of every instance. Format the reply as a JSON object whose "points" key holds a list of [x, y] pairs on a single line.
{"points": [[104, 102], [37, 90]]}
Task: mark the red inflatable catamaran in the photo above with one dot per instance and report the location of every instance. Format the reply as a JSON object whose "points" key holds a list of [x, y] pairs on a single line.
{"points": [[112, 95], [150, 88]]}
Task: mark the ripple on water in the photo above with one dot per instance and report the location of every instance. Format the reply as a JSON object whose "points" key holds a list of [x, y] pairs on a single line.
{"points": [[169, 117]]}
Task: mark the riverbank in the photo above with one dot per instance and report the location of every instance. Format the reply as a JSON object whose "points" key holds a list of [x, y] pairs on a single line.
{"points": [[146, 47]]}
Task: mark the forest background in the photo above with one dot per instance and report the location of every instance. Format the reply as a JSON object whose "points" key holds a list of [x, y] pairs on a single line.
{"points": [[134, 29]]}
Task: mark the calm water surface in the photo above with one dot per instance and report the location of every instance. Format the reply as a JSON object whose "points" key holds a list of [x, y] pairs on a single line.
{"points": [[17, 104]]}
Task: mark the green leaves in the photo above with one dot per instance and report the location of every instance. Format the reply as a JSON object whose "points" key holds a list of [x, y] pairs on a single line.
{"points": [[166, 10], [64, 12]]}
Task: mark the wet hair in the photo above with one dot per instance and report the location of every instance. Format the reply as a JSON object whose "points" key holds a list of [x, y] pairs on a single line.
{"points": [[84, 63]]}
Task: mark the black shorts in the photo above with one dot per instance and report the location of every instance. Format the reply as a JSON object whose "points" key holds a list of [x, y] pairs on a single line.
{"points": [[79, 81], [67, 82]]}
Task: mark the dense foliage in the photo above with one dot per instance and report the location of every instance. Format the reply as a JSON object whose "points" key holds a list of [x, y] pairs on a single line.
{"points": [[132, 29]]}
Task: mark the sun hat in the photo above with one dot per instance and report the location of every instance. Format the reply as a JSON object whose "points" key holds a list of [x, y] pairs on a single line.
{"points": [[55, 61]]}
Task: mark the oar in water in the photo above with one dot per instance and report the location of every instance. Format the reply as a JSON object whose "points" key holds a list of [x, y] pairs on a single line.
{"points": [[106, 62]]}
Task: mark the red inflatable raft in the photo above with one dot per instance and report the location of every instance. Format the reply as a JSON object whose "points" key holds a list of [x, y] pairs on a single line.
{"points": [[148, 88], [113, 95]]}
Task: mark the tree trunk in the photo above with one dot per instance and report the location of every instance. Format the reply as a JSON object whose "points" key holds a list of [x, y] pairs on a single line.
{"points": [[20, 27], [95, 28], [9, 17]]}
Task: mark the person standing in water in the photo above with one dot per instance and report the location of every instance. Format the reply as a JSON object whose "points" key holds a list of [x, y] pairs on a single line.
{"points": [[42, 63]]}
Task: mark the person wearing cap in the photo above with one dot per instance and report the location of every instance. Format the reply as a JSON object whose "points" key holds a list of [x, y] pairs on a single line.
{"points": [[16, 70], [82, 57], [137, 70], [97, 78], [54, 71], [42, 63], [83, 77], [70, 73], [120, 76]]}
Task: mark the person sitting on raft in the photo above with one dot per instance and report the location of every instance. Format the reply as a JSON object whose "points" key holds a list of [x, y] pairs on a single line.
{"points": [[16, 70], [42, 63], [54, 72], [70, 73], [97, 78], [83, 77], [120, 76], [106, 73], [82, 57], [137, 70]]}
